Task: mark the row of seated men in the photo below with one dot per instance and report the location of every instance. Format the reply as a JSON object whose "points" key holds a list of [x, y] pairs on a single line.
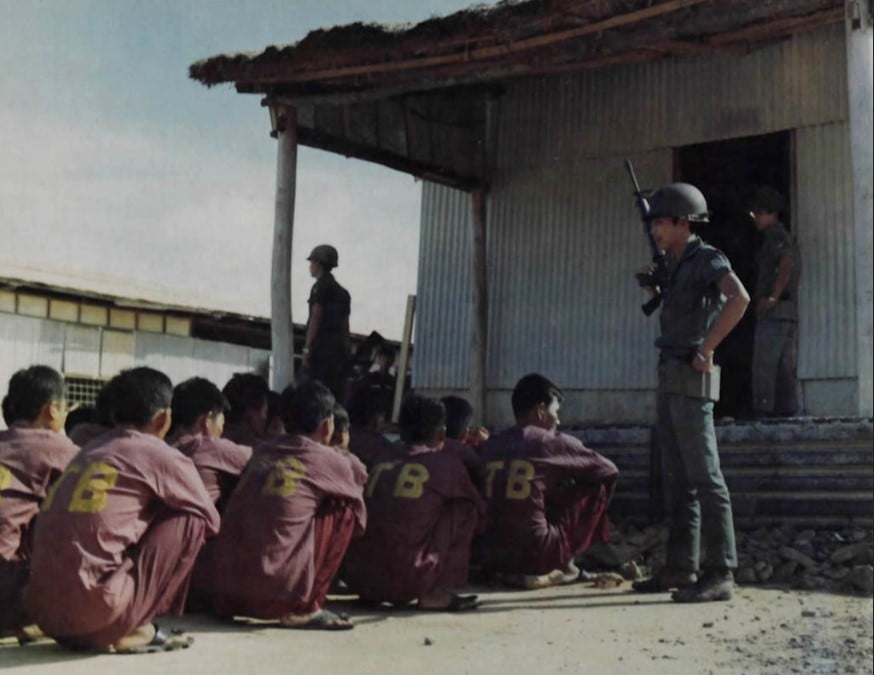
{"points": [[164, 504]]}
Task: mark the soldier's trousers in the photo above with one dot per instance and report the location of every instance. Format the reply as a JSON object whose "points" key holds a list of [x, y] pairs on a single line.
{"points": [[774, 365], [697, 499]]}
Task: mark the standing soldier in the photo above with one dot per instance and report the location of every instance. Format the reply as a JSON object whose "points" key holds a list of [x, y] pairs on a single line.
{"points": [[774, 352], [326, 351], [694, 320]]}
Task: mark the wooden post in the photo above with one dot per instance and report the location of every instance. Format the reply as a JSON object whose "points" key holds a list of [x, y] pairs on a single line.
{"points": [[281, 326], [859, 82], [480, 313], [404, 359]]}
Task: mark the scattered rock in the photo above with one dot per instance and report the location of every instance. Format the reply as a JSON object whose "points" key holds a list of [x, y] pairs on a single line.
{"points": [[746, 575], [808, 612], [428, 642], [851, 553], [861, 577], [785, 571], [789, 553], [707, 624]]}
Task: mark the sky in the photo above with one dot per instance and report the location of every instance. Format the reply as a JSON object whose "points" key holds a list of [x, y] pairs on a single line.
{"points": [[114, 162]]}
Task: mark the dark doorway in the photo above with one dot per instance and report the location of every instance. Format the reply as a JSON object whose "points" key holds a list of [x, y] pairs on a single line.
{"points": [[728, 172]]}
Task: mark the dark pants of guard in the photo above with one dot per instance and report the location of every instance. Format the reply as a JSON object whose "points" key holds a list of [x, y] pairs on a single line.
{"points": [[329, 368], [775, 357], [697, 498]]}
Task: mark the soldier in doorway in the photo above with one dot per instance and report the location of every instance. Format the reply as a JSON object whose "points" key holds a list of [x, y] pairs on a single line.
{"points": [[774, 351], [694, 320], [326, 351]]}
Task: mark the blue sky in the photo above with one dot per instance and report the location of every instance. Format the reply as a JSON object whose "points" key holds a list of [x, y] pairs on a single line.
{"points": [[114, 162]]}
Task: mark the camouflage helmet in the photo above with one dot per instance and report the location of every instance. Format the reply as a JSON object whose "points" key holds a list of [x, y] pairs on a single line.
{"points": [[768, 199], [678, 200], [326, 255]]}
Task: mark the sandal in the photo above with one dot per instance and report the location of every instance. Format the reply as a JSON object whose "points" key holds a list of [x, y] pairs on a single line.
{"points": [[324, 619], [457, 603], [161, 642]]}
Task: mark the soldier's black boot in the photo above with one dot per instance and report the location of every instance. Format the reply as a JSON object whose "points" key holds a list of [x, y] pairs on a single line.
{"points": [[713, 585]]}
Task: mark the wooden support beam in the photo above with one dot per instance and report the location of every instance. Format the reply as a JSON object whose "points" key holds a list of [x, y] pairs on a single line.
{"points": [[281, 326], [480, 309], [778, 28], [423, 170]]}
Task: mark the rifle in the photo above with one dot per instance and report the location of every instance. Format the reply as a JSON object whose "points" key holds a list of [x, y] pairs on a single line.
{"points": [[659, 276]]}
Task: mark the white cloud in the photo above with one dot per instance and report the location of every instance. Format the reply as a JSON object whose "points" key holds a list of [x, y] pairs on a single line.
{"points": [[97, 195]]}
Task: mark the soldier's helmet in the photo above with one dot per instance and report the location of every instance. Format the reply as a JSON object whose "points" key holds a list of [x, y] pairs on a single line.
{"points": [[678, 200], [768, 199], [326, 255]]}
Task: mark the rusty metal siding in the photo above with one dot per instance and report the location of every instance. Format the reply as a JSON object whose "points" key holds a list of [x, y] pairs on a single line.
{"points": [[797, 82], [824, 214], [443, 303]]}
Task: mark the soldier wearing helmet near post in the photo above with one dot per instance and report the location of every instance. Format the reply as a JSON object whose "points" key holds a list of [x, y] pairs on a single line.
{"points": [[702, 301], [774, 351], [326, 351]]}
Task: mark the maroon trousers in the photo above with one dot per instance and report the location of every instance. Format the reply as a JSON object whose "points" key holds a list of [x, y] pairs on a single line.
{"points": [[577, 519], [161, 570], [13, 577], [334, 526]]}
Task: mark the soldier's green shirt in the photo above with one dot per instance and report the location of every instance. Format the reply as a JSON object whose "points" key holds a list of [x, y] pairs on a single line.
{"points": [[777, 243], [692, 300]]}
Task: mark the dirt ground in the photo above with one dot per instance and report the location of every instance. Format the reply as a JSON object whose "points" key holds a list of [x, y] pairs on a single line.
{"points": [[573, 629]]}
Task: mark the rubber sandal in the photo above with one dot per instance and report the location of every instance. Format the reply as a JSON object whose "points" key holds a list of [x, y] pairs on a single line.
{"points": [[457, 603], [322, 620], [160, 643]]}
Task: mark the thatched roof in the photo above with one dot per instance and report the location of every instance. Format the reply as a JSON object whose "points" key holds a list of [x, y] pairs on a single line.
{"points": [[510, 39]]}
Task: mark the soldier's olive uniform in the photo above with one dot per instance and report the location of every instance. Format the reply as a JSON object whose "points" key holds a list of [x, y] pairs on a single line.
{"points": [[329, 353], [775, 352], [696, 494]]}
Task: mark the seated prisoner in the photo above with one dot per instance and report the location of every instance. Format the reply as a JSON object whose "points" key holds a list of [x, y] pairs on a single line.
{"points": [[246, 419], [33, 453], [198, 421], [423, 510], [547, 493], [119, 531], [367, 421], [288, 524]]}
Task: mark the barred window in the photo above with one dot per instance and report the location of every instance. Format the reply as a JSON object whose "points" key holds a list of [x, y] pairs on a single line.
{"points": [[82, 390]]}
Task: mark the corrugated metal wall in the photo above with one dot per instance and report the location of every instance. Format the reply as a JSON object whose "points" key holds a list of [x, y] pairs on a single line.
{"points": [[443, 303], [563, 235], [824, 217], [564, 243], [674, 102]]}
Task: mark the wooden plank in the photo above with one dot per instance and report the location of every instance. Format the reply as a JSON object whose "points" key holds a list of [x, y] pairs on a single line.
{"points": [[404, 359]]}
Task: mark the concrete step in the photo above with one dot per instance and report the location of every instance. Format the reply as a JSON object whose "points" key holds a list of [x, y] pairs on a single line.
{"points": [[786, 479]]}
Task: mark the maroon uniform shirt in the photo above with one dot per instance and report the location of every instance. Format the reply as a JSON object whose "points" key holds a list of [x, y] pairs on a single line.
{"points": [[219, 462], [30, 461], [422, 510], [368, 445], [242, 435], [105, 502], [85, 432], [262, 562], [532, 477]]}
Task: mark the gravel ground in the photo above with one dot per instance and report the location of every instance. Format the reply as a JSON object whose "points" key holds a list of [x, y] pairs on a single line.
{"points": [[572, 629]]}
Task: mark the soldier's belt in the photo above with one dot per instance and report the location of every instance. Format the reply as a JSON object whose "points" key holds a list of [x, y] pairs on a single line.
{"points": [[679, 377]]}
